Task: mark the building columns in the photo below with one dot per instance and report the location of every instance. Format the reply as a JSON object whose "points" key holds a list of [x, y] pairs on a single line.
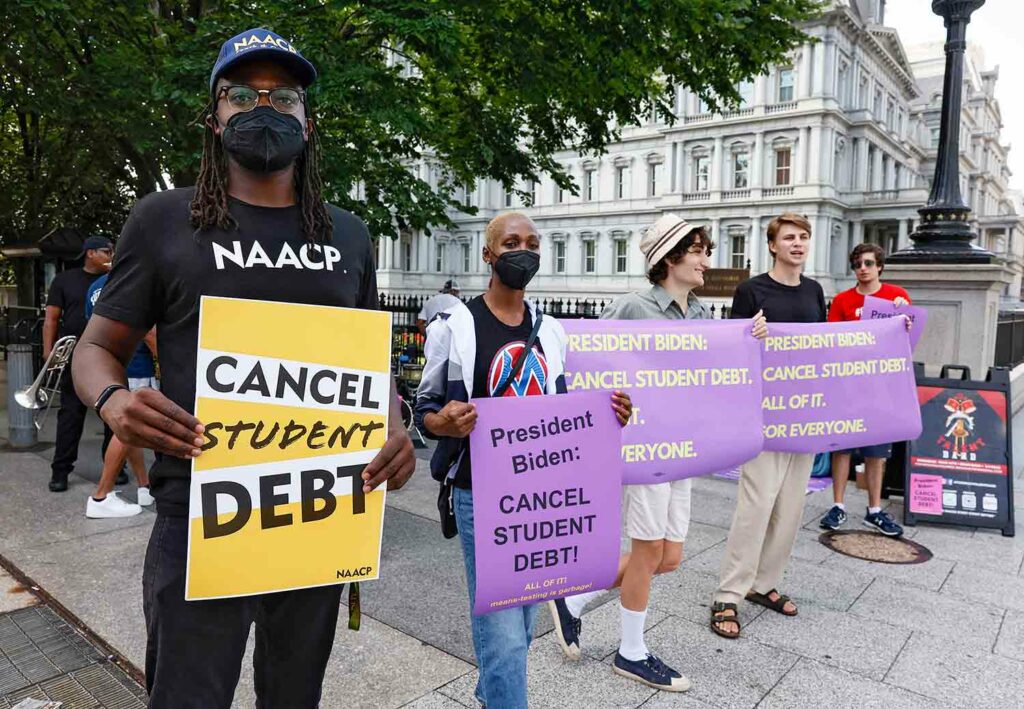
{"points": [[757, 243], [717, 165], [757, 161], [803, 74], [902, 240], [801, 157]]}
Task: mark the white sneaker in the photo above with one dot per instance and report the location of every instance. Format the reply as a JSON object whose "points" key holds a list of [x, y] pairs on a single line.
{"points": [[110, 506], [144, 498]]}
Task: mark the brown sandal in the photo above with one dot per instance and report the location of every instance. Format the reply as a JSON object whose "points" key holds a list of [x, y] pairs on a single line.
{"points": [[778, 605], [718, 617]]}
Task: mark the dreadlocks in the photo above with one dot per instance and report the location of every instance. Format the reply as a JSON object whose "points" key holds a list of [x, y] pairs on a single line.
{"points": [[209, 207]]}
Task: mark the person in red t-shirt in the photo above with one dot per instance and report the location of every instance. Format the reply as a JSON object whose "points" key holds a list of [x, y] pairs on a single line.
{"points": [[867, 262]]}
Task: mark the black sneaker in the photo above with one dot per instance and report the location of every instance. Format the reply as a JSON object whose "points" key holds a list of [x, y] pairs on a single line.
{"points": [[883, 523], [834, 519], [567, 628], [59, 484], [652, 672]]}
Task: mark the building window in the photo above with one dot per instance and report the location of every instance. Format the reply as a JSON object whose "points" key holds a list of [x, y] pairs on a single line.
{"points": [[701, 171], [559, 194], [843, 82], [738, 254], [465, 256], [467, 195], [862, 92], [740, 170], [439, 257], [785, 84], [876, 107], [652, 179], [589, 256], [533, 193], [620, 255], [590, 185], [407, 255], [620, 182], [899, 122], [508, 198], [783, 165], [559, 257], [746, 92], [890, 114], [935, 137]]}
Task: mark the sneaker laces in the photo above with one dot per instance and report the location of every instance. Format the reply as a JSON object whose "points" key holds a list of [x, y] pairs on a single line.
{"points": [[656, 664]]}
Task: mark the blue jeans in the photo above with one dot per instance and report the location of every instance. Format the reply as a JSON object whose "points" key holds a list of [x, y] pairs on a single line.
{"points": [[500, 639]]}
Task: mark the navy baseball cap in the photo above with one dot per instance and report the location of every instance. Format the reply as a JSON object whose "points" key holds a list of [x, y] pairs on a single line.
{"points": [[96, 242], [261, 43]]}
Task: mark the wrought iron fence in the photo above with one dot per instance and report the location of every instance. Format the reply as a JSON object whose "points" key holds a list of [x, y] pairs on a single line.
{"points": [[22, 325], [1010, 340]]}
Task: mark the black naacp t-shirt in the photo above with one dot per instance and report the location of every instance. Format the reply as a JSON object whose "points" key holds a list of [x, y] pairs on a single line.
{"points": [[163, 265], [781, 303], [67, 292], [497, 347]]}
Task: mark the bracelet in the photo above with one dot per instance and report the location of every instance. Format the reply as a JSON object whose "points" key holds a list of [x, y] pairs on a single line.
{"points": [[106, 394]]}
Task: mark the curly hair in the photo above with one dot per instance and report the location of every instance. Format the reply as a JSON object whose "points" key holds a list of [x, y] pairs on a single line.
{"points": [[699, 236], [874, 249]]}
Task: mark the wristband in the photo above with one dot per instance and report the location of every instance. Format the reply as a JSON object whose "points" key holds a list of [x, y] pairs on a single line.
{"points": [[106, 394]]}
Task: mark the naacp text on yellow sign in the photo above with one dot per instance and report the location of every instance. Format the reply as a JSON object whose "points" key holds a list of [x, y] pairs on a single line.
{"points": [[295, 403]]}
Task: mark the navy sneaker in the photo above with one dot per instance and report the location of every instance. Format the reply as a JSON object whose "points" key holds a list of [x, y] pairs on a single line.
{"points": [[883, 523], [567, 628], [652, 672], [835, 518]]}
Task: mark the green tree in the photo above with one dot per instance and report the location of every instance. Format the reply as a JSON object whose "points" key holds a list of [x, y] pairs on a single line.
{"points": [[101, 101]]}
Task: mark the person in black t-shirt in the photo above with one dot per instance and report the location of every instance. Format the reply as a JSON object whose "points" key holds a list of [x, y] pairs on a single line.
{"points": [[471, 353], [255, 227], [65, 315], [773, 485]]}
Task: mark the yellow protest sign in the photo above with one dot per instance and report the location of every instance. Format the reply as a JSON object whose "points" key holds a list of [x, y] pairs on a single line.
{"points": [[295, 403]]}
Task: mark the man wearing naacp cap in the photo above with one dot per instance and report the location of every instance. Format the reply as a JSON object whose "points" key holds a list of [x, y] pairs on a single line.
{"points": [[256, 227]]}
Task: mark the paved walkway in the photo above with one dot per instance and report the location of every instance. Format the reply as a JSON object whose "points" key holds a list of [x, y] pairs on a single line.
{"points": [[949, 632]]}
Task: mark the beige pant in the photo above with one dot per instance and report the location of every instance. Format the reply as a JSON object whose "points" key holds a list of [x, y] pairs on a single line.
{"points": [[772, 490]]}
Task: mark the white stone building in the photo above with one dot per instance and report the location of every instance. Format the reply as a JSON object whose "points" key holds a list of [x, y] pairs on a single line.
{"points": [[842, 135]]}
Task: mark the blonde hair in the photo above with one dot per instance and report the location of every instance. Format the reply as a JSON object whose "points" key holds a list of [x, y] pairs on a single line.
{"points": [[793, 218], [493, 231]]}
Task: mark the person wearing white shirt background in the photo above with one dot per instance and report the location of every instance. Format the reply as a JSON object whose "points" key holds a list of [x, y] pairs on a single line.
{"points": [[446, 298]]}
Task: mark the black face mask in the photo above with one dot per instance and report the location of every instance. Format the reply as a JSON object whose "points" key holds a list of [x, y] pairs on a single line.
{"points": [[516, 268], [263, 140]]}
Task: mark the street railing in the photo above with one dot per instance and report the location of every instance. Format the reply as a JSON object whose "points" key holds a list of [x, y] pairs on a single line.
{"points": [[1010, 340]]}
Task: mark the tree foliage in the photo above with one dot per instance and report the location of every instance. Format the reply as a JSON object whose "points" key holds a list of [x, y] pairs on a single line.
{"points": [[99, 100]]}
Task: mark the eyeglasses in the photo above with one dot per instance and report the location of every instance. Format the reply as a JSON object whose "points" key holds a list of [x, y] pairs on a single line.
{"points": [[245, 98], [865, 263]]}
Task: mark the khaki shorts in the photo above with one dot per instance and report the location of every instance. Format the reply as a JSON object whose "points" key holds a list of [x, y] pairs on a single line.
{"points": [[136, 383], [653, 512]]}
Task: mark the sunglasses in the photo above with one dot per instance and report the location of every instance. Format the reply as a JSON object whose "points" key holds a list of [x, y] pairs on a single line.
{"points": [[865, 263]]}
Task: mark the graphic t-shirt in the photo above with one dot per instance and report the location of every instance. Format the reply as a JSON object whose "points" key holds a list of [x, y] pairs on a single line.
{"points": [[846, 305], [497, 347], [68, 292], [141, 365], [163, 265], [781, 303]]}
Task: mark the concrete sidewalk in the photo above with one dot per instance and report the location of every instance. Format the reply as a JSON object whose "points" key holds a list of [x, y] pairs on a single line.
{"points": [[946, 632]]}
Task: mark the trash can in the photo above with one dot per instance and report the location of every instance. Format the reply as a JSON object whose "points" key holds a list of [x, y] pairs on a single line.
{"points": [[20, 374]]}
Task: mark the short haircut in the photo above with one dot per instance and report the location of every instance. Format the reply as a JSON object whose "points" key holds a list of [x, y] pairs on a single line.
{"points": [[798, 220], [659, 271], [493, 232], [861, 249]]}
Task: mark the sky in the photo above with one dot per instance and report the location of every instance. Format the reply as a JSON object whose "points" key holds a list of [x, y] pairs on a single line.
{"points": [[993, 26]]}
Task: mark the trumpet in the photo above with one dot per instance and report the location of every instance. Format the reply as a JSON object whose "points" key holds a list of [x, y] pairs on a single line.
{"points": [[40, 395]]}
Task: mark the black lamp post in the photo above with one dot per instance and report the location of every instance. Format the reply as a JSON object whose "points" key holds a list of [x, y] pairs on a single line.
{"points": [[944, 235]]}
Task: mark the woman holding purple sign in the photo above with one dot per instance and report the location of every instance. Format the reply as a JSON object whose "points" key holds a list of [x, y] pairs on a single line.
{"points": [[497, 344], [656, 517]]}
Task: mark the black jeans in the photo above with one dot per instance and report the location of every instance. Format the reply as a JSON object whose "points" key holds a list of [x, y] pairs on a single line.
{"points": [[70, 420], [194, 648]]}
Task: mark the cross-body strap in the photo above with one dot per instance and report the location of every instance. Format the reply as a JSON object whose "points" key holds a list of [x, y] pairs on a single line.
{"points": [[521, 359]]}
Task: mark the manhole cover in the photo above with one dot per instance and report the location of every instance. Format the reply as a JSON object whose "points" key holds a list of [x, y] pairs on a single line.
{"points": [[871, 546]]}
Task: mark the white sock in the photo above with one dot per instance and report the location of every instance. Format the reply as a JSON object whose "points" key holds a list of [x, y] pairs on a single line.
{"points": [[874, 510], [632, 646], [841, 506], [576, 604]]}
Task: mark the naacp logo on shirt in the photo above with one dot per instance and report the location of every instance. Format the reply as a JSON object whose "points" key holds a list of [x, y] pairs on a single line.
{"points": [[310, 258], [532, 378]]}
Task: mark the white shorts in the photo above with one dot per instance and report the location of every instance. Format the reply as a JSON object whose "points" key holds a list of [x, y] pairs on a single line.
{"points": [[661, 511], [135, 383]]}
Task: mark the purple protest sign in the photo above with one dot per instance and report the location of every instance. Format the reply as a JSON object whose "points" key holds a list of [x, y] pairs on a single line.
{"points": [[695, 386], [833, 386], [547, 507], [880, 309]]}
